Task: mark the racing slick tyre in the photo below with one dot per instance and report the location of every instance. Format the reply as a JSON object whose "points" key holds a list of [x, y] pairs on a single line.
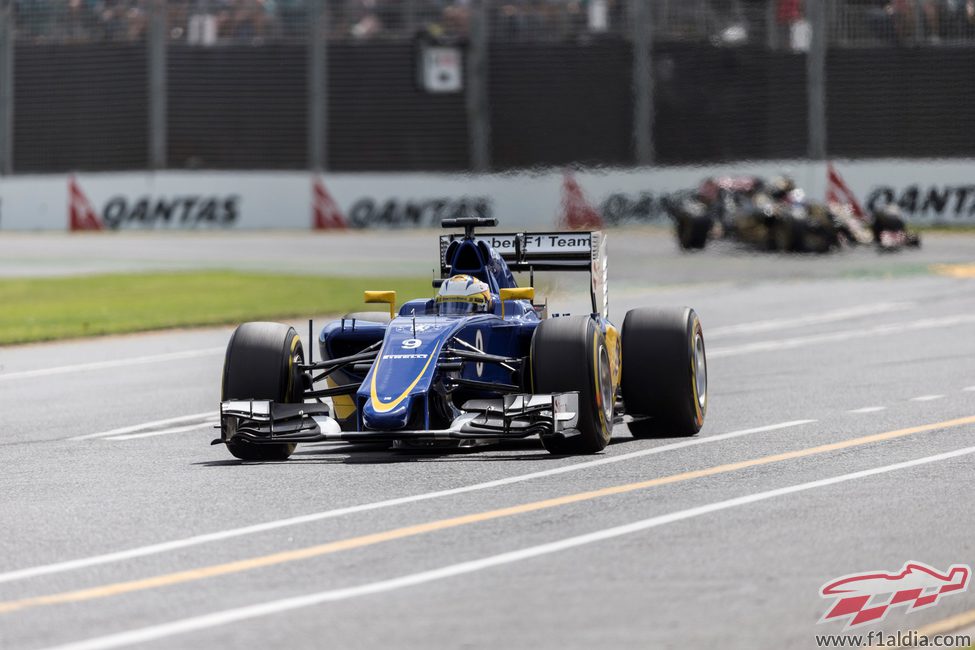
{"points": [[371, 316], [261, 364], [665, 373], [901, 236], [819, 240], [785, 235], [570, 354], [692, 231]]}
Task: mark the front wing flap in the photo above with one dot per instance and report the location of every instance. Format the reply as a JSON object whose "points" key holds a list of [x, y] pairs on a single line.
{"points": [[510, 416]]}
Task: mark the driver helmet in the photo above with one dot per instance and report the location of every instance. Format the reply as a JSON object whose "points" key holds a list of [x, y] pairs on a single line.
{"points": [[890, 210], [708, 190], [780, 187], [464, 294], [889, 217]]}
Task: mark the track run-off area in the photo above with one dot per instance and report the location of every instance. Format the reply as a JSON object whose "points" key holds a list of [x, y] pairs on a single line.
{"points": [[839, 439]]}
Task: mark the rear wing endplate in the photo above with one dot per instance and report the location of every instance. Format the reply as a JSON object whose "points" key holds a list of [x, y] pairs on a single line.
{"points": [[548, 251]]}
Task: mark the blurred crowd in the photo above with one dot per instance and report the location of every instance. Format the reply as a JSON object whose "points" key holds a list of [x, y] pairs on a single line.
{"points": [[782, 24], [776, 23], [203, 22], [909, 22]]}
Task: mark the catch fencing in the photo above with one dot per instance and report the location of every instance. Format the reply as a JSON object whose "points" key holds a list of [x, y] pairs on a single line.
{"points": [[339, 85]]}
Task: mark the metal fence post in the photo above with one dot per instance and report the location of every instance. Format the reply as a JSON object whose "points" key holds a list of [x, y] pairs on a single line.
{"points": [[771, 26], [317, 72], [816, 80], [6, 86], [918, 23], [410, 16], [643, 111], [156, 36], [478, 115]]}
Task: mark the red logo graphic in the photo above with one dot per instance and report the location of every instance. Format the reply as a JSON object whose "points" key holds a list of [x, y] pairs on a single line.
{"points": [[577, 213], [867, 597], [326, 214], [81, 216], [837, 191]]}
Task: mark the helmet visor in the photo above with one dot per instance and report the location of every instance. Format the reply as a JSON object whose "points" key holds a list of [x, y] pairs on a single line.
{"points": [[455, 308]]}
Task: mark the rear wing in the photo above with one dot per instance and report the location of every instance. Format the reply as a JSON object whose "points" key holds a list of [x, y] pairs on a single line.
{"points": [[548, 251]]}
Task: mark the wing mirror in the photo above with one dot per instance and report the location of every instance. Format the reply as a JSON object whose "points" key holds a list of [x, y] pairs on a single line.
{"points": [[518, 293], [388, 297]]}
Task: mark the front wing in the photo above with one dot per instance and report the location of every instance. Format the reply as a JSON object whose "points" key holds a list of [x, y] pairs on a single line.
{"points": [[507, 417]]}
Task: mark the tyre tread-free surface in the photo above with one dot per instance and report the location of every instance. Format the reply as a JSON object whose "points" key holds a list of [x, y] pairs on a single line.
{"points": [[562, 360], [659, 377], [692, 231]]}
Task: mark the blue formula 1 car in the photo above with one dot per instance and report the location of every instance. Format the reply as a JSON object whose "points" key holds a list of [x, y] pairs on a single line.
{"points": [[478, 363]]}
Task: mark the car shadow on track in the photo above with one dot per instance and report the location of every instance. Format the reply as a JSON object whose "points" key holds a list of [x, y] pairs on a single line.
{"points": [[531, 450]]}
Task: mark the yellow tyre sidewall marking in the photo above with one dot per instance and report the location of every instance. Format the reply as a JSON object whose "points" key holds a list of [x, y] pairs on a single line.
{"points": [[698, 411], [597, 382], [291, 366]]}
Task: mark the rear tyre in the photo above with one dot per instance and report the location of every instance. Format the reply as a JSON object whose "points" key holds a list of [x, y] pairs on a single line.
{"points": [[664, 380], [820, 232], [786, 235], [570, 354], [261, 364], [819, 240]]}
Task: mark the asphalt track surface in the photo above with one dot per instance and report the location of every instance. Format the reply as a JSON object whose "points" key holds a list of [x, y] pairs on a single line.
{"points": [[123, 527]]}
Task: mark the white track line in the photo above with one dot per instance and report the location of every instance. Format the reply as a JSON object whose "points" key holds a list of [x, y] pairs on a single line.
{"points": [[184, 626], [844, 335], [926, 398], [869, 409], [165, 432], [162, 547], [115, 363], [208, 415], [970, 389], [762, 326]]}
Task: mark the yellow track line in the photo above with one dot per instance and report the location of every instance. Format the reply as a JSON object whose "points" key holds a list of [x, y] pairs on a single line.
{"points": [[191, 575], [955, 270], [950, 624]]}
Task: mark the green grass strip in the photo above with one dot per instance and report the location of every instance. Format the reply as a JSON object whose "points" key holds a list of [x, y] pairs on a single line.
{"points": [[43, 309]]}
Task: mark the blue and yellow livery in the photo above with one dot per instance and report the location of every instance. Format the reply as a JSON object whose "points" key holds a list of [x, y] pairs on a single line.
{"points": [[423, 376]]}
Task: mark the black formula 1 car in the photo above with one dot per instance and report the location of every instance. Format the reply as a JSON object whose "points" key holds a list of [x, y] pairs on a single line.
{"points": [[777, 216], [480, 362]]}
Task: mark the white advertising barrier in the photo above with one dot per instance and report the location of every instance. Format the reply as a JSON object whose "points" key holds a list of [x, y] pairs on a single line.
{"points": [[423, 200], [940, 192], [639, 195], [931, 192], [151, 201], [270, 200]]}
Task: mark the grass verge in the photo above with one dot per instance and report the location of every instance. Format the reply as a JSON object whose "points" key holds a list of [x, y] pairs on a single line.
{"points": [[45, 309]]}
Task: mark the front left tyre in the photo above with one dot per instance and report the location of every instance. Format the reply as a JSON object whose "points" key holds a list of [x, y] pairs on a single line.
{"points": [[664, 379], [262, 364], [570, 353], [693, 230]]}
